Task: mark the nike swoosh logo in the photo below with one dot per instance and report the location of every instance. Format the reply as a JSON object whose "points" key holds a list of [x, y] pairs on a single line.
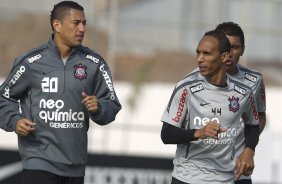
{"points": [[10, 170], [203, 104]]}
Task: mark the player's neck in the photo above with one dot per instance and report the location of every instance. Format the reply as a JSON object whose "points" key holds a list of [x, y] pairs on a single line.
{"points": [[221, 86], [64, 49], [232, 70], [218, 79]]}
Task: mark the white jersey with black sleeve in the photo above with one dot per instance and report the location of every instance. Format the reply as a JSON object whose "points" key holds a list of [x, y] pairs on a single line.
{"points": [[194, 102]]}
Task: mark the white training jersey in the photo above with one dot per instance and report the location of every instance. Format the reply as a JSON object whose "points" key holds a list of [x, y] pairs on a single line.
{"points": [[254, 80], [193, 103]]}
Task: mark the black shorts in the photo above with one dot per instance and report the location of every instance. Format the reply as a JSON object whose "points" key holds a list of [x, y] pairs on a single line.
{"points": [[45, 177], [244, 181]]}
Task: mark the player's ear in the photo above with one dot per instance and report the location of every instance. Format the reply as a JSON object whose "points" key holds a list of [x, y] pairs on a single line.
{"points": [[225, 56], [242, 50], [57, 25]]}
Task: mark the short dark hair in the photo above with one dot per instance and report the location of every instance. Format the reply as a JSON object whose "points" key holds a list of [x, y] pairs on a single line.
{"points": [[61, 9], [232, 29], [223, 41]]}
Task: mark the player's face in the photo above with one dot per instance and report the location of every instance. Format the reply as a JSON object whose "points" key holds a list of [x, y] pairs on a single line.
{"points": [[237, 50], [71, 30], [210, 61]]}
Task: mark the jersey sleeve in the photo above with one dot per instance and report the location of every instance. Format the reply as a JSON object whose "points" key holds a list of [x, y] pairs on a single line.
{"points": [[13, 89], [260, 98], [109, 104], [250, 114], [251, 119], [176, 110]]}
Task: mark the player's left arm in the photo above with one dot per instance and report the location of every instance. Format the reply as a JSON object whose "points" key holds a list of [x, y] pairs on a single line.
{"points": [[262, 121], [245, 163], [261, 106], [103, 104]]}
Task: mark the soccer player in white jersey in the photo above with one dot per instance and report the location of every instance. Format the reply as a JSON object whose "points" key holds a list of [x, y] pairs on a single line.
{"points": [[251, 78], [203, 117]]}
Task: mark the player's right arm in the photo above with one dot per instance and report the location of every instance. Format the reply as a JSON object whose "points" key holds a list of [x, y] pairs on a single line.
{"points": [[24, 127], [175, 135], [212, 129], [174, 120], [11, 91]]}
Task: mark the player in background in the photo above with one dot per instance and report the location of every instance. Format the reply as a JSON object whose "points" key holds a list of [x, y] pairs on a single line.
{"points": [[60, 85], [203, 117], [251, 78]]}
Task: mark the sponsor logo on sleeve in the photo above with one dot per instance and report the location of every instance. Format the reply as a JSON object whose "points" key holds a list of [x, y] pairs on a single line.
{"points": [[254, 107], [13, 81], [251, 78], [7, 92], [240, 90], [34, 58], [180, 106], [17, 75], [262, 91], [93, 59], [196, 88], [108, 81]]}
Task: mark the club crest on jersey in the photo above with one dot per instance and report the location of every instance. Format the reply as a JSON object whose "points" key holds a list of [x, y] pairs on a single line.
{"points": [[234, 104], [80, 71]]}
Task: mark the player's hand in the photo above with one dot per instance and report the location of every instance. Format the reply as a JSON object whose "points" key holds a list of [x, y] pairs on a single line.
{"points": [[245, 164], [90, 102], [212, 129], [24, 127]]}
